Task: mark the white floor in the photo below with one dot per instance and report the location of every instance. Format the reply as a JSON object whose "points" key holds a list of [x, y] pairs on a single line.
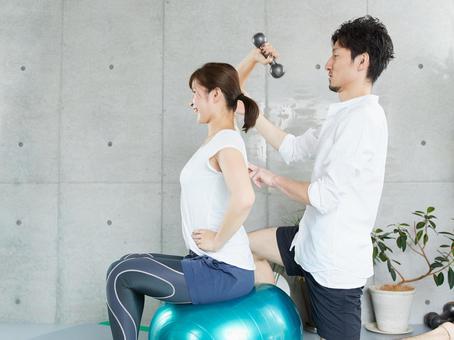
{"points": [[101, 332]]}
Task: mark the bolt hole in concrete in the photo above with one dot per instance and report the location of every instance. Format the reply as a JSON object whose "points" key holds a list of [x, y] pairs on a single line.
{"points": [[420, 66], [109, 144], [109, 222], [22, 68], [317, 66], [111, 66], [423, 142], [20, 144], [18, 222]]}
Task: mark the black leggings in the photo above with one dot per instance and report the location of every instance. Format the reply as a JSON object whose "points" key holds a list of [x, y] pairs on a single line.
{"points": [[132, 277]]}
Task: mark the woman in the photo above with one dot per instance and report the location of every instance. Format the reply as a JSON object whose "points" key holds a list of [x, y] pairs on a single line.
{"points": [[216, 197]]}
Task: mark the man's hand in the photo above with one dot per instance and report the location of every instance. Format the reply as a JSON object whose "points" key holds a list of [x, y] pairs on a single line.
{"points": [[261, 176], [205, 239], [267, 49], [255, 57]]}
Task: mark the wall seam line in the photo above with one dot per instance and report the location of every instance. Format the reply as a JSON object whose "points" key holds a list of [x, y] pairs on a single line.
{"points": [[162, 122], [267, 149], [60, 109]]}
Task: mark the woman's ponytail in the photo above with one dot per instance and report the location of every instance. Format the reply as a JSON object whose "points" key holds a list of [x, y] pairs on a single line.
{"points": [[251, 111]]}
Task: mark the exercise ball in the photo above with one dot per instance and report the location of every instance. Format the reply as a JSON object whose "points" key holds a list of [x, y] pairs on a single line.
{"points": [[265, 313]]}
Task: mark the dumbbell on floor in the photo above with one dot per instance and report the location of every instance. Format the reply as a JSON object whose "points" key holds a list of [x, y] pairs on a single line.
{"points": [[433, 320]]}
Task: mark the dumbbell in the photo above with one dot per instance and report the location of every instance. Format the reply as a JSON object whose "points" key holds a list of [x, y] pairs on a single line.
{"points": [[433, 320], [276, 70]]}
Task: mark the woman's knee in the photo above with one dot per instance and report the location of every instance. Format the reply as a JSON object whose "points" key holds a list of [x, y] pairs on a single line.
{"points": [[111, 267]]}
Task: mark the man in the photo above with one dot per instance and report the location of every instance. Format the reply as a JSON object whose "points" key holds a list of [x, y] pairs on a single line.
{"points": [[331, 247]]}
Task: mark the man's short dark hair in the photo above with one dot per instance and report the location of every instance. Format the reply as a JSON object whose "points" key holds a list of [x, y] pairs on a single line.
{"points": [[366, 34]]}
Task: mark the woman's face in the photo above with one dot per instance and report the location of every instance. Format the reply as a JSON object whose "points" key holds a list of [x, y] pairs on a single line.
{"points": [[201, 102]]}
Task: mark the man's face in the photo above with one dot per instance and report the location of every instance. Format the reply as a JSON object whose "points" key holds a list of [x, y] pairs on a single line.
{"points": [[342, 70]]}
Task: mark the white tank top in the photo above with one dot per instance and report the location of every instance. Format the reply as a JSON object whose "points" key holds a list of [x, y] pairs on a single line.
{"points": [[204, 200]]}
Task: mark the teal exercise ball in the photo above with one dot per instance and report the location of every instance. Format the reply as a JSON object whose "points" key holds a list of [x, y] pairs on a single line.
{"points": [[265, 313]]}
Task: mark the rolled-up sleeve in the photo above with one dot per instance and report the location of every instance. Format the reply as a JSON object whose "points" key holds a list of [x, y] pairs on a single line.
{"points": [[352, 148], [299, 148]]}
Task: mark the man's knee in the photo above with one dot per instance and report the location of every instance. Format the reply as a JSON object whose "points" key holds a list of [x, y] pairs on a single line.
{"points": [[263, 244], [259, 237]]}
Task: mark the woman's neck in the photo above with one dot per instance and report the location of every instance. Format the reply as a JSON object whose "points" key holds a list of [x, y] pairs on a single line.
{"points": [[226, 122]]}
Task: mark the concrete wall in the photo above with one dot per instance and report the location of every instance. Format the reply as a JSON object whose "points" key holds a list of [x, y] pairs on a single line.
{"points": [[95, 128]]}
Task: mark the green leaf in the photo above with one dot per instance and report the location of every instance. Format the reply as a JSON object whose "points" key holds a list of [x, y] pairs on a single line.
{"points": [[418, 236], [430, 209], [445, 246], [382, 257], [405, 224], [435, 279], [446, 233], [451, 278], [396, 262], [382, 246], [404, 244], [393, 274], [375, 253], [440, 279], [435, 265], [440, 259], [378, 230], [398, 242], [433, 224], [426, 239], [391, 270], [420, 225]]}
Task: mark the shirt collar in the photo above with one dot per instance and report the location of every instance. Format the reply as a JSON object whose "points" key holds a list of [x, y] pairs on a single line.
{"points": [[336, 107]]}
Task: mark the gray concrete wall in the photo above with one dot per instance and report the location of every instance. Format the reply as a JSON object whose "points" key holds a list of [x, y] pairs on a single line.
{"points": [[95, 127]]}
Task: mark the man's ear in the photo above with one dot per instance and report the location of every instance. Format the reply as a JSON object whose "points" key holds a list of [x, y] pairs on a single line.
{"points": [[363, 61]]}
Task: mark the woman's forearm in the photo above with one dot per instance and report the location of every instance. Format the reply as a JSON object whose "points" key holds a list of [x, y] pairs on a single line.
{"points": [[237, 212]]}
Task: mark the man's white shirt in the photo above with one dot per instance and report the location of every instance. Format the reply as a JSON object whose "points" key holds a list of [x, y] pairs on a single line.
{"points": [[333, 242]]}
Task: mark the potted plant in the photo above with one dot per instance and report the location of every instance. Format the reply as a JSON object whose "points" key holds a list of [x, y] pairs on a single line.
{"points": [[392, 302]]}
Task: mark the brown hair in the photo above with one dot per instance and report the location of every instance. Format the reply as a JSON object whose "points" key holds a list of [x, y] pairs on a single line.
{"points": [[225, 77]]}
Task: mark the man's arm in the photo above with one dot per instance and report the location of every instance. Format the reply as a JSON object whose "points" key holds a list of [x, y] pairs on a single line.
{"points": [[253, 58], [270, 132], [296, 190]]}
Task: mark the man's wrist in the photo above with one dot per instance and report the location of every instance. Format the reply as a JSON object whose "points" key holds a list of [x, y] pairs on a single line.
{"points": [[275, 181], [252, 59]]}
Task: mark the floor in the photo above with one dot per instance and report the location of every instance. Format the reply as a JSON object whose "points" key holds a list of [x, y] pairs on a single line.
{"points": [[102, 332]]}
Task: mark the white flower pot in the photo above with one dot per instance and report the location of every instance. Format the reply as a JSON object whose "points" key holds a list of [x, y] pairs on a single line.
{"points": [[392, 309]]}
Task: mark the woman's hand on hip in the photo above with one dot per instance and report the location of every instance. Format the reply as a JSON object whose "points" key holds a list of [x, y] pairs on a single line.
{"points": [[205, 239]]}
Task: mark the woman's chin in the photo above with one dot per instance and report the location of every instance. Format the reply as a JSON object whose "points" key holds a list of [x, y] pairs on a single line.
{"points": [[200, 120]]}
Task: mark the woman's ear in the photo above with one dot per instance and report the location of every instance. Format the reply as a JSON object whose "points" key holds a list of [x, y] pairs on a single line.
{"points": [[216, 93]]}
